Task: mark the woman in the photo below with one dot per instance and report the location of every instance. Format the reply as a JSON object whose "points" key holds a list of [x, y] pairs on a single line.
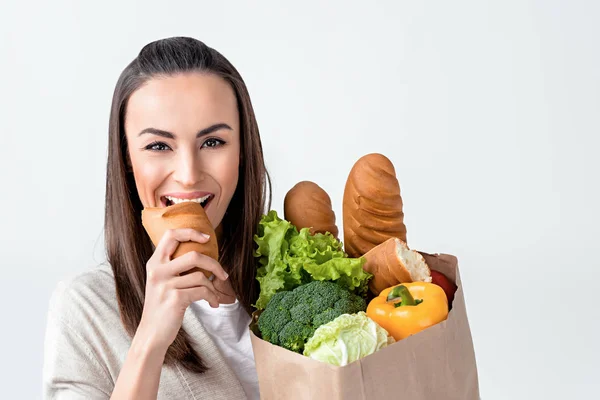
{"points": [[181, 128]]}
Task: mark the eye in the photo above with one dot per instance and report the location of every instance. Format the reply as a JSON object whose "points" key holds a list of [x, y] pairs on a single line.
{"points": [[213, 142], [157, 146]]}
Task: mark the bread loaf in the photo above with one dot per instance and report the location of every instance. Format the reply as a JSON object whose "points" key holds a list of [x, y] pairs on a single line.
{"points": [[392, 262], [189, 214], [307, 205], [372, 205]]}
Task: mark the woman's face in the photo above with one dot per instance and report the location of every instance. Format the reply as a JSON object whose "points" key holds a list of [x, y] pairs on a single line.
{"points": [[184, 142]]}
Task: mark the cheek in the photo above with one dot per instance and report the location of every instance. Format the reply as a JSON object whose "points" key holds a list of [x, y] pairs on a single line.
{"points": [[147, 177], [230, 178], [229, 175]]}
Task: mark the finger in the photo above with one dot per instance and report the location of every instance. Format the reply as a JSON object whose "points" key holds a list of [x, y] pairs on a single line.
{"points": [[194, 279], [201, 293], [171, 239], [194, 259]]}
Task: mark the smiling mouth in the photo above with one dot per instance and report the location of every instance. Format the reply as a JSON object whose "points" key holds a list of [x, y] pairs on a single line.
{"points": [[203, 201]]}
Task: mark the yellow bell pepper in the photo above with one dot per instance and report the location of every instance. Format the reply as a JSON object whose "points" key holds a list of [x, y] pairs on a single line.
{"points": [[408, 308]]}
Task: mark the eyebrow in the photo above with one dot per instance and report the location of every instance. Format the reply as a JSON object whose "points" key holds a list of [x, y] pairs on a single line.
{"points": [[170, 135]]}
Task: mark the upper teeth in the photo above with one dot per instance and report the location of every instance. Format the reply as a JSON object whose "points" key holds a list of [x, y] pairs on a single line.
{"points": [[175, 200]]}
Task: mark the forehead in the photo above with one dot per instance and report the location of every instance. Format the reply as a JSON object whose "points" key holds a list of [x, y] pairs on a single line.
{"points": [[183, 102]]}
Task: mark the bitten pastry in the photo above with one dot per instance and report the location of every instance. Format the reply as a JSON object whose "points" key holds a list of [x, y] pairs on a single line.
{"points": [[392, 262], [372, 205], [307, 205], [189, 214]]}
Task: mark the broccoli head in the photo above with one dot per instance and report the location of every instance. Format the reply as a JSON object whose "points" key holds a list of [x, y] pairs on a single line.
{"points": [[291, 317]]}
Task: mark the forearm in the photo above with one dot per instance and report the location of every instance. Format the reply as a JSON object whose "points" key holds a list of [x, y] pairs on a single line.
{"points": [[140, 376]]}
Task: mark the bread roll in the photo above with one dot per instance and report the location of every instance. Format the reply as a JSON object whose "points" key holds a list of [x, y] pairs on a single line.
{"points": [[188, 214], [392, 262], [372, 205], [307, 205]]}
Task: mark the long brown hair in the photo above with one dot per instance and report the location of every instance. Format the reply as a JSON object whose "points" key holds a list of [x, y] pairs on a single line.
{"points": [[128, 246]]}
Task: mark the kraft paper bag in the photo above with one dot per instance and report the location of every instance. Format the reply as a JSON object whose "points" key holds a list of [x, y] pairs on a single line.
{"points": [[434, 364]]}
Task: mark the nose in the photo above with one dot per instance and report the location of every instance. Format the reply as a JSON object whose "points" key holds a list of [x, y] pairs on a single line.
{"points": [[188, 171]]}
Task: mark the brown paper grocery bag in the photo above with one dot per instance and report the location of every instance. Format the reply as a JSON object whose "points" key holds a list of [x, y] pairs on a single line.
{"points": [[437, 363]]}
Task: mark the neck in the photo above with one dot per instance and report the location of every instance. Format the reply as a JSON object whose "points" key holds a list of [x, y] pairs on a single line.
{"points": [[226, 292], [219, 232], [223, 287]]}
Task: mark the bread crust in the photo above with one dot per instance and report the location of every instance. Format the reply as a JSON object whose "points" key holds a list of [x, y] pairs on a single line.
{"points": [[307, 205], [372, 205], [388, 268], [157, 220], [380, 261]]}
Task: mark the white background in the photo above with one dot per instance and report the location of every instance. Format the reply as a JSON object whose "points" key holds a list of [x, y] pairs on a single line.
{"points": [[489, 112]]}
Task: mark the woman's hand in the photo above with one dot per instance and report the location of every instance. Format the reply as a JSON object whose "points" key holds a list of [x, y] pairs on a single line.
{"points": [[168, 294]]}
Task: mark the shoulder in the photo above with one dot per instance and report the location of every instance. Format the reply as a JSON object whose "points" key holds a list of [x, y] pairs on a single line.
{"points": [[83, 294], [83, 335]]}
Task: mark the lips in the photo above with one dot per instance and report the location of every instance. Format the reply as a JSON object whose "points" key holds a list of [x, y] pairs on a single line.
{"points": [[202, 198]]}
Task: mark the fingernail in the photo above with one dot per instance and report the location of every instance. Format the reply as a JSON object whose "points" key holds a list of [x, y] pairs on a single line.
{"points": [[205, 235], [226, 275]]}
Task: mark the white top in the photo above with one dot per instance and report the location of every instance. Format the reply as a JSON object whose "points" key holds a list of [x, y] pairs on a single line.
{"points": [[228, 328]]}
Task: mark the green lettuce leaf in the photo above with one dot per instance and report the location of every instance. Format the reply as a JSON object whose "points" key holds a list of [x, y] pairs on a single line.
{"points": [[288, 257], [346, 339]]}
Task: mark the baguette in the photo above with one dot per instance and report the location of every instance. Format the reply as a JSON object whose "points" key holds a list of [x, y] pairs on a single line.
{"points": [[372, 205], [307, 205], [392, 262], [189, 214]]}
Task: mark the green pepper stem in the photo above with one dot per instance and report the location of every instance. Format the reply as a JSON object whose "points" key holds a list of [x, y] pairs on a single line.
{"points": [[402, 292]]}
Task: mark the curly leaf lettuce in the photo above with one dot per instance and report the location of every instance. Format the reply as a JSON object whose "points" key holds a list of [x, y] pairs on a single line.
{"points": [[288, 257]]}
